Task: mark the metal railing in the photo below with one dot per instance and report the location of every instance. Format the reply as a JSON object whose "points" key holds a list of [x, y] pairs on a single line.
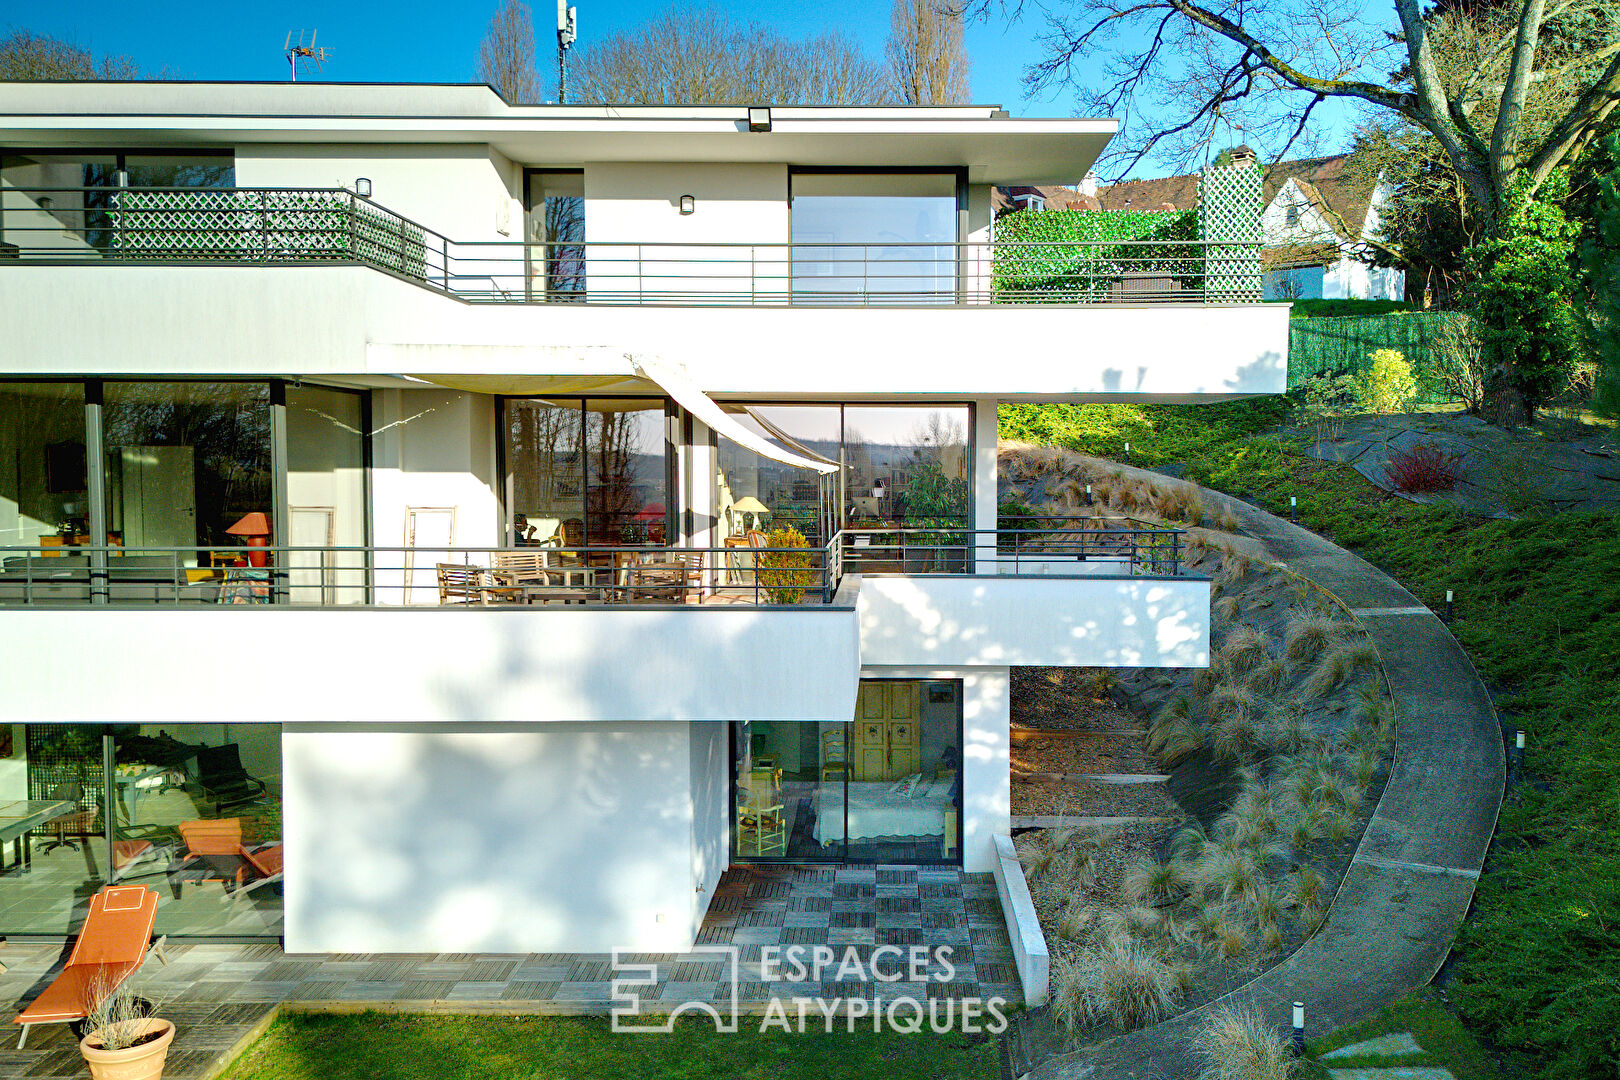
{"points": [[1119, 547], [285, 226], [400, 576], [545, 575]]}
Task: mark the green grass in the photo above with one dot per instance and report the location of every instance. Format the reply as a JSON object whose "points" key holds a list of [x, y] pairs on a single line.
{"points": [[1311, 309], [1538, 610], [387, 1046], [1435, 1028], [1157, 433]]}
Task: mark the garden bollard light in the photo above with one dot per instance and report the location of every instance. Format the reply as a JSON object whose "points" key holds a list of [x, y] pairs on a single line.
{"points": [[1293, 508], [1127, 453], [1448, 605], [1516, 758], [1088, 494], [1297, 1044]]}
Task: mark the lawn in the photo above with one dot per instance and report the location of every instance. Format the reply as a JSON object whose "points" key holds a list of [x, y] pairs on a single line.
{"points": [[389, 1046], [1538, 610], [1434, 1027]]}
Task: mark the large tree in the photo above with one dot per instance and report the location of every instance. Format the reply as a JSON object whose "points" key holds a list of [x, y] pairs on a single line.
{"points": [[506, 55], [700, 56], [928, 61], [1508, 90], [29, 57]]}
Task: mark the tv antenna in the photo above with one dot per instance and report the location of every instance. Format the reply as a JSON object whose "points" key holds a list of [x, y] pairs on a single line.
{"points": [[567, 31], [302, 53]]}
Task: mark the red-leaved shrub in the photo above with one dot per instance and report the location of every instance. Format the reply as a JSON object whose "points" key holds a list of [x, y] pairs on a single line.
{"points": [[1422, 469]]}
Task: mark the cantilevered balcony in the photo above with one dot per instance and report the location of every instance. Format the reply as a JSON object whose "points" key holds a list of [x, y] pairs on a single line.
{"points": [[304, 227]]}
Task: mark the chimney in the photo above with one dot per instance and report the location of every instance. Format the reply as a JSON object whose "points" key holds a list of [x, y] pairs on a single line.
{"points": [[1243, 156], [1089, 185]]}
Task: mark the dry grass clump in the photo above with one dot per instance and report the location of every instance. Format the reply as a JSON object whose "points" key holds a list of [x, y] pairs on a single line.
{"points": [[1307, 634], [1270, 676], [1232, 702], [1243, 650], [1236, 1043], [1173, 734], [1337, 665], [1234, 568], [1128, 985], [1225, 610], [1227, 521], [1079, 923], [1227, 871], [1234, 738], [1152, 881]]}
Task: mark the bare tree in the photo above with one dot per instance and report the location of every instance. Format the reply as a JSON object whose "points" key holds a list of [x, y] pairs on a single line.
{"points": [[701, 57], [506, 55], [928, 62], [1509, 92], [29, 57]]}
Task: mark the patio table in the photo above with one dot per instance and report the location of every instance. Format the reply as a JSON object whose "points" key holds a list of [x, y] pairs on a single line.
{"points": [[20, 818]]}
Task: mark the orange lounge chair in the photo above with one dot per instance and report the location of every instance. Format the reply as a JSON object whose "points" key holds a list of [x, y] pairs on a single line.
{"points": [[218, 844], [112, 946]]}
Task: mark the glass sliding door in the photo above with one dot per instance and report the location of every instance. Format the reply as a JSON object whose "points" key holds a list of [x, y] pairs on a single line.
{"points": [[910, 468], [789, 780], [627, 456], [326, 495], [555, 228], [790, 496], [545, 463], [43, 499]]}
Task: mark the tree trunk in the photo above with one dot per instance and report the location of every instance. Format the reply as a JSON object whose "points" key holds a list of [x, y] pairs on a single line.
{"points": [[1506, 406]]}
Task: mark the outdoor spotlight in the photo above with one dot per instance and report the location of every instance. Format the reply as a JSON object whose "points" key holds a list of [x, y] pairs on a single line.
{"points": [[688, 204], [759, 118], [362, 187]]}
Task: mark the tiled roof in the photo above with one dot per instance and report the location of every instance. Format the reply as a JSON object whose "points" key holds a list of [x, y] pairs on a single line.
{"points": [[1057, 198], [1180, 192]]}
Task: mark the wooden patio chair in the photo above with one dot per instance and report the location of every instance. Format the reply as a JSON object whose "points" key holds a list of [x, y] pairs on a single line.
{"points": [[112, 945], [532, 571], [463, 584]]}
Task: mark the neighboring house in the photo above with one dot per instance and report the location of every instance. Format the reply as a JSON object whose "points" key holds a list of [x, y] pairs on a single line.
{"points": [[1318, 218], [384, 469]]}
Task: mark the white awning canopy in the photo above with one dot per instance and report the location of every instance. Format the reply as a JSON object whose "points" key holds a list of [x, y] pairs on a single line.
{"points": [[647, 374]]}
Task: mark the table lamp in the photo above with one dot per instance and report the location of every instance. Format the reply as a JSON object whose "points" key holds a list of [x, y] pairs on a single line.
{"points": [[750, 505], [254, 529]]}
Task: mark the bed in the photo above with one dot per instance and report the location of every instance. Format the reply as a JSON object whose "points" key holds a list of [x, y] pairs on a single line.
{"points": [[881, 808]]}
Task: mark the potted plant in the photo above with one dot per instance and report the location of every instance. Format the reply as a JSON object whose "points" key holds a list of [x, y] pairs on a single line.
{"points": [[123, 1040]]}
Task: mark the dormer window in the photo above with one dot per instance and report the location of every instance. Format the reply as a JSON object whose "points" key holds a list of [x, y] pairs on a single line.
{"points": [[1030, 202]]}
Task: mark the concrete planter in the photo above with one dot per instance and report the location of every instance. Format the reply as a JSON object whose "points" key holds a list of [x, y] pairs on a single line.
{"points": [[143, 1062]]}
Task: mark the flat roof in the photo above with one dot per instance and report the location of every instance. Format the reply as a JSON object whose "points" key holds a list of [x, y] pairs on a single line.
{"points": [[993, 147]]}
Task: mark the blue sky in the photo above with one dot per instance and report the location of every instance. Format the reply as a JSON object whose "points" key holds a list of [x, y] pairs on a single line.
{"points": [[421, 41]]}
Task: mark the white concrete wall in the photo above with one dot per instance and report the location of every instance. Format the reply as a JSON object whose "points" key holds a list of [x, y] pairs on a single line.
{"points": [[354, 321], [1067, 622], [423, 665], [636, 209], [526, 838], [710, 760]]}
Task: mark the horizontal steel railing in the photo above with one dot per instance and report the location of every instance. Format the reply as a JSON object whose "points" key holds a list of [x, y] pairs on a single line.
{"points": [[592, 575], [323, 225], [1134, 548], [384, 576]]}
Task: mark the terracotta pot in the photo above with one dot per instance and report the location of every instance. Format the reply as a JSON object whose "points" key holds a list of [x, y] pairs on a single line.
{"points": [[143, 1062]]}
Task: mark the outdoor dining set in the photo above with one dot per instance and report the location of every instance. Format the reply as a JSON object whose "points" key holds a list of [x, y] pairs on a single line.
{"points": [[547, 576]]}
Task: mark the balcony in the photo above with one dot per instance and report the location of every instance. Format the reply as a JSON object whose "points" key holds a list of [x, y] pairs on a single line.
{"points": [[313, 227]]}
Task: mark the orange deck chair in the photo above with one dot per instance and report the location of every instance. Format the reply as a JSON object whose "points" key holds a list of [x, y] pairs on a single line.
{"points": [[112, 945]]}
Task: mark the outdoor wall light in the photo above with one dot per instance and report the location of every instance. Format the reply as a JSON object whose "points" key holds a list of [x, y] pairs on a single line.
{"points": [[759, 118], [688, 204], [362, 187]]}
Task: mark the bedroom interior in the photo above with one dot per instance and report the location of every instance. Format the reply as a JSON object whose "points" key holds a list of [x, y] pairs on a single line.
{"points": [[885, 788]]}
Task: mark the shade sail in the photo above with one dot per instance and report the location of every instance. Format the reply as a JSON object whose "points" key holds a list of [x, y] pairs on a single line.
{"points": [[695, 401]]}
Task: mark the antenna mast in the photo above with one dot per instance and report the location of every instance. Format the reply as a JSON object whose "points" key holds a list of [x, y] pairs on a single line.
{"points": [[304, 54], [567, 31]]}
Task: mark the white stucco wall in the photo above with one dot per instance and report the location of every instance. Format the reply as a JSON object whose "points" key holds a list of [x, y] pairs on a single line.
{"points": [[526, 838], [432, 664], [710, 762], [354, 321], [1068, 622]]}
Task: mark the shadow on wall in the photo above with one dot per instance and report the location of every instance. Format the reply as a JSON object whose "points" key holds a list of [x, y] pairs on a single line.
{"points": [[467, 836]]}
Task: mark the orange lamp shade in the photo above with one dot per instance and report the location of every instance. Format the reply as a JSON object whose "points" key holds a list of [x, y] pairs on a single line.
{"points": [[255, 524]]}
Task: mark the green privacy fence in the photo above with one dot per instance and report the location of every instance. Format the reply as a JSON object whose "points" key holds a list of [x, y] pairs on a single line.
{"points": [[1342, 346]]}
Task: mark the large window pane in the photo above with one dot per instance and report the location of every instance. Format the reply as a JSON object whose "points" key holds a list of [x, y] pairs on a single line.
{"points": [[186, 462], [42, 466], [910, 468], [790, 781], [791, 496], [626, 471], [51, 777], [868, 238], [42, 213], [556, 228], [326, 495], [547, 467], [905, 790], [197, 815]]}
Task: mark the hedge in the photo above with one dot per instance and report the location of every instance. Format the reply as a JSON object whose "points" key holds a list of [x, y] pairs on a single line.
{"points": [[1084, 262], [1342, 346]]}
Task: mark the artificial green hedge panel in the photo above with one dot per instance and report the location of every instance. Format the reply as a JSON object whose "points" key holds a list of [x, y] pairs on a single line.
{"points": [[1043, 256]]}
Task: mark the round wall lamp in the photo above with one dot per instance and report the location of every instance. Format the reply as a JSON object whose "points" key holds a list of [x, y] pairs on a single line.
{"points": [[688, 204]]}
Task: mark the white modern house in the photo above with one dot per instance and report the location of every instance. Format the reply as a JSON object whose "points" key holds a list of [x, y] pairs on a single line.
{"points": [[394, 487]]}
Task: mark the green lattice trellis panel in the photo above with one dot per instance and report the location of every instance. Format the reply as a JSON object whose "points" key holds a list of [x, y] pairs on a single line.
{"points": [[1229, 204], [262, 226]]}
